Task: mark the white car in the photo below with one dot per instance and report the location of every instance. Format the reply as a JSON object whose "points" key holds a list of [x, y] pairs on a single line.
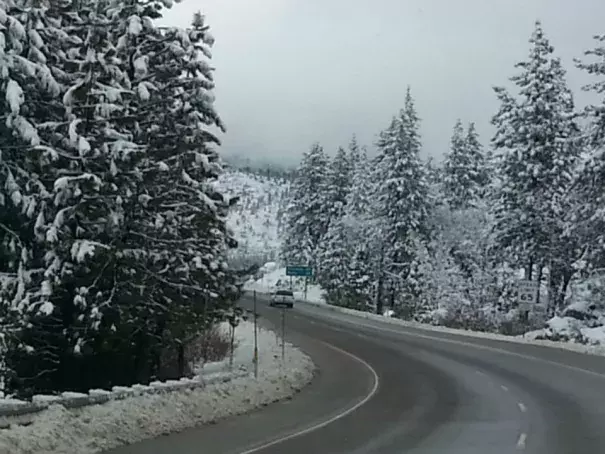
{"points": [[282, 298]]}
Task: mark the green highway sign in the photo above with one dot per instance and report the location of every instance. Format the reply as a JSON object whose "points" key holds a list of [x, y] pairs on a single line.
{"points": [[304, 271]]}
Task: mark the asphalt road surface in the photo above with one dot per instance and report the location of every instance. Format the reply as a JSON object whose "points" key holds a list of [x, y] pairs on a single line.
{"points": [[389, 389]]}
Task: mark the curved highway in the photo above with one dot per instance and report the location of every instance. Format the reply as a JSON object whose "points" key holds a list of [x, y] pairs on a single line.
{"points": [[383, 388]]}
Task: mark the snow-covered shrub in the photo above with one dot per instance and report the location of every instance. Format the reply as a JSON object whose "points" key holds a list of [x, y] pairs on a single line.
{"points": [[583, 319]]}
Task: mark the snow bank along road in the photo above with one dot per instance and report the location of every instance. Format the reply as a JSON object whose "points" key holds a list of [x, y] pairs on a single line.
{"points": [[402, 389]]}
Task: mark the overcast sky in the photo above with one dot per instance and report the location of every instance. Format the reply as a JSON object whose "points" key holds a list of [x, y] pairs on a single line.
{"points": [[291, 72]]}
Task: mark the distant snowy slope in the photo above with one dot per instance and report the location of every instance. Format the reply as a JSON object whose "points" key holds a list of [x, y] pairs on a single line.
{"points": [[258, 216]]}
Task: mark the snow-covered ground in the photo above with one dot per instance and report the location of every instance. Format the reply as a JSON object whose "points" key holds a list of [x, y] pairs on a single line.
{"points": [[566, 328], [96, 428], [255, 219]]}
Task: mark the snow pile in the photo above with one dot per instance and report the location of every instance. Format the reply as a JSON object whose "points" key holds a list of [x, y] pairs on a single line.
{"points": [[10, 407], [256, 219], [581, 322], [97, 428]]}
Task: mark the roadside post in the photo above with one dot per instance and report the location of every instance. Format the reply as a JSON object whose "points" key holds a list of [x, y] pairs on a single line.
{"points": [[283, 334], [255, 339], [299, 271], [233, 322], [292, 271], [206, 329], [527, 296]]}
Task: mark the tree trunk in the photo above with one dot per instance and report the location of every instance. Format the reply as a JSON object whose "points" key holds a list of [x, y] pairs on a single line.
{"points": [[552, 290], [181, 358], [529, 270], [379, 305], [566, 276], [540, 274]]}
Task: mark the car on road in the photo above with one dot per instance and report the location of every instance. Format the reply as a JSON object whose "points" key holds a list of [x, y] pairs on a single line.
{"points": [[282, 298]]}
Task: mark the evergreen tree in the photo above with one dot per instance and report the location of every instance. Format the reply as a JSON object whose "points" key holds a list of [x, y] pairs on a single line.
{"points": [[23, 157], [535, 138], [358, 199], [456, 182], [433, 172], [308, 214], [338, 184], [177, 237], [344, 256], [589, 191], [465, 172], [335, 258], [124, 234], [33, 168], [479, 169], [355, 153], [401, 196], [361, 227]]}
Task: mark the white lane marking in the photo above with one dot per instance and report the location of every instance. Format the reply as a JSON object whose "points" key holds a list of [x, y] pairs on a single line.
{"points": [[341, 415], [522, 407], [522, 441], [468, 344], [504, 388]]}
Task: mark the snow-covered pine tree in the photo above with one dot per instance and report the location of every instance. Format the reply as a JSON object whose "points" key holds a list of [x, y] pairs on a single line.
{"points": [[434, 172], [94, 183], [334, 256], [465, 181], [455, 170], [358, 198], [95, 179], [333, 248], [479, 159], [307, 213], [35, 161], [360, 223], [23, 157], [344, 243], [464, 172], [401, 199], [338, 184], [590, 207], [177, 239], [355, 153], [536, 141]]}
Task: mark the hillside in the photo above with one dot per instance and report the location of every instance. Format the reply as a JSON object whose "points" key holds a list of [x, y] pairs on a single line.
{"points": [[257, 218]]}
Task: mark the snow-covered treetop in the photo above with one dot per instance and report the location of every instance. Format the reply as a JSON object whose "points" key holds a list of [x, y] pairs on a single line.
{"points": [[465, 171], [401, 191], [536, 139]]}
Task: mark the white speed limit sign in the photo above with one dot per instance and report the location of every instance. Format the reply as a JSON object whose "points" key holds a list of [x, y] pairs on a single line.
{"points": [[527, 292]]}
